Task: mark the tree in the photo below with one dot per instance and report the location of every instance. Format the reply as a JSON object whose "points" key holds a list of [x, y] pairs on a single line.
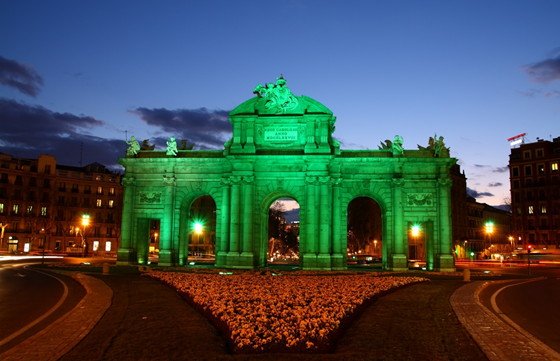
{"points": [[364, 224]]}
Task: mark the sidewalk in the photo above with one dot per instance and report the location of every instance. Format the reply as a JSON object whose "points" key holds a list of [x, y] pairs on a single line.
{"points": [[498, 340]]}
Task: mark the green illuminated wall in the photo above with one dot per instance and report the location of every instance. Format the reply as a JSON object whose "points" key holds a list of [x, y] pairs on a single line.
{"points": [[282, 146]]}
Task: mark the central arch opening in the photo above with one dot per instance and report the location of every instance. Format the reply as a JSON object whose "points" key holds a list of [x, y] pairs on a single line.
{"points": [[283, 232], [364, 233], [202, 231]]}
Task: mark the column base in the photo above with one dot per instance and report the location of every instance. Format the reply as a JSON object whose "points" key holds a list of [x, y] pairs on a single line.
{"points": [[444, 263], [338, 262], [126, 257], [324, 261], [309, 261], [397, 262], [221, 259], [166, 258]]}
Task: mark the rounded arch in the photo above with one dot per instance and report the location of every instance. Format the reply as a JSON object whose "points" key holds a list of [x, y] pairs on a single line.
{"points": [[364, 231], [197, 229]]}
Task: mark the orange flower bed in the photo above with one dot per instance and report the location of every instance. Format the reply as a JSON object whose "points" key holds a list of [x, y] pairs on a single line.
{"points": [[281, 313]]}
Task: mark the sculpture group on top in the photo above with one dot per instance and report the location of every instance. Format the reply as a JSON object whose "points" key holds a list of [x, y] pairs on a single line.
{"points": [[279, 98]]}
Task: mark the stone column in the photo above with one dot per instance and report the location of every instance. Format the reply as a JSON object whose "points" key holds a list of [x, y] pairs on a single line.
{"points": [[310, 240], [338, 251], [166, 223], [444, 260], [234, 230], [247, 234], [126, 251], [398, 258], [325, 214], [223, 242]]}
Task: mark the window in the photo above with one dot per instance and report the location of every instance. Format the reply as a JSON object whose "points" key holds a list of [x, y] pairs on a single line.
{"points": [[99, 190], [516, 183], [29, 210], [98, 203], [540, 168], [62, 187], [74, 188], [87, 189], [19, 180], [111, 203], [543, 209], [527, 170], [97, 177], [531, 210], [515, 172], [527, 154], [15, 208], [44, 211], [112, 190], [1, 207], [554, 167], [61, 200], [46, 183], [48, 169], [32, 182], [540, 153]]}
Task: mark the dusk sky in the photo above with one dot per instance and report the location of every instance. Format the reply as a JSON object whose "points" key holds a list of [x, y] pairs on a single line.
{"points": [[86, 74]]}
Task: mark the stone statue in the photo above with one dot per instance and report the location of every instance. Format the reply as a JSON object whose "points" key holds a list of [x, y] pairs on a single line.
{"points": [[386, 145], [133, 147], [171, 147], [439, 146], [146, 145], [397, 145], [279, 97]]}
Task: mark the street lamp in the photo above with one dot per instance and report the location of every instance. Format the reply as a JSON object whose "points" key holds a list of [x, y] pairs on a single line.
{"points": [[489, 230], [85, 223]]}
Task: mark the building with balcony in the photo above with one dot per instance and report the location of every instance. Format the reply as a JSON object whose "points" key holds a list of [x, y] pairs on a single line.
{"points": [[535, 192], [42, 205]]}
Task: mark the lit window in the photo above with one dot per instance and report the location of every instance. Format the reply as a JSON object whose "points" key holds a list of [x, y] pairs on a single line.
{"points": [[29, 209], [1, 207], [100, 190], [540, 168], [107, 246], [111, 203], [531, 210], [543, 209], [43, 211], [99, 203], [15, 208], [554, 166], [112, 190]]}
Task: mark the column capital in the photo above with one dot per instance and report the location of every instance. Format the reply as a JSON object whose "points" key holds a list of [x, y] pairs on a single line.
{"points": [[444, 182], [248, 179], [235, 179], [169, 180], [324, 179], [128, 180], [397, 182], [336, 181], [225, 181], [310, 180]]}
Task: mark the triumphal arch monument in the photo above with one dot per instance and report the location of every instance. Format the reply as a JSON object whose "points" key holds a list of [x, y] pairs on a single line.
{"points": [[282, 146]]}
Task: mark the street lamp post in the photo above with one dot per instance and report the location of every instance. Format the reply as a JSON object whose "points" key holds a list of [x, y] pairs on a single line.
{"points": [[85, 223], [489, 230]]}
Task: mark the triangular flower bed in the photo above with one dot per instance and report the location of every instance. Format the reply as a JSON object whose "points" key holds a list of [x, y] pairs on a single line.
{"points": [[263, 313]]}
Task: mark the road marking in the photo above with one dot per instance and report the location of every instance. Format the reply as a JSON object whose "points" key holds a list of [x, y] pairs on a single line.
{"points": [[45, 315], [551, 352]]}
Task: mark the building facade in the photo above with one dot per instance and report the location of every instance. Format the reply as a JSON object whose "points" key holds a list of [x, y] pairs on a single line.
{"points": [[535, 193], [282, 147], [42, 206]]}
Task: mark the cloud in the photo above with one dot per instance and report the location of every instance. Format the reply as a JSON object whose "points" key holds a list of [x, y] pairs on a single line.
{"points": [[546, 70], [495, 184], [205, 128], [481, 165], [475, 194], [532, 93], [503, 169], [21, 77], [28, 131]]}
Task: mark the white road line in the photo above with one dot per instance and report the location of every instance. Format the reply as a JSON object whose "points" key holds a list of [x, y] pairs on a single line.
{"points": [[42, 317], [551, 352]]}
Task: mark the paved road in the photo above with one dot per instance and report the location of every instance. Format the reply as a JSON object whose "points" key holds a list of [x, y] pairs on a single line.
{"points": [[31, 300]]}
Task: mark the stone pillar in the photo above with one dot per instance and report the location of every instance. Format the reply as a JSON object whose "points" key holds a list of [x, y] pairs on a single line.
{"points": [[246, 258], [234, 231], [444, 260], [338, 251], [325, 214], [310, 240], [398, 258], [166, 249], [223, 241], [126, 251]]}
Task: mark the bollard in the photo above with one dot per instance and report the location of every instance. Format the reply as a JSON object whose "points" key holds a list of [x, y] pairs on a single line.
{"points": [[466, 275], [105, 268]]}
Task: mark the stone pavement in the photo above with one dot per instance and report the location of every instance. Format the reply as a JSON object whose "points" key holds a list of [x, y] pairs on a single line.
{"points": [[62, 335], [499, 340]]}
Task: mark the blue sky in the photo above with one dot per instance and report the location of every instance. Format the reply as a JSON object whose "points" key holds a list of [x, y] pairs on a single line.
{"points": [[86, 73]]}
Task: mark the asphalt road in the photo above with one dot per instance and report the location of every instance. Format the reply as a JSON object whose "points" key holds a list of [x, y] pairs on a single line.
{"points": [[31, 299], [533, 304]]}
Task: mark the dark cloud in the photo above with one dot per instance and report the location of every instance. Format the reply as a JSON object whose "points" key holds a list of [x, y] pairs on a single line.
{"points": [[28, 131], [503, 169], [495, 184], [475, 194], [532, 93], [545, 71], [205, 128], [480, 166], [19, 76]]}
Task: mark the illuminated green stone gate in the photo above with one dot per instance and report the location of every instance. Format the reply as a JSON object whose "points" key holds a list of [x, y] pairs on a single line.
{"points": [[282, 146]]}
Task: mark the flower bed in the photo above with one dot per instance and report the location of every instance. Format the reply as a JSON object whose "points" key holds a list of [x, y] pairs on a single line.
{"points": [[279, 313]]}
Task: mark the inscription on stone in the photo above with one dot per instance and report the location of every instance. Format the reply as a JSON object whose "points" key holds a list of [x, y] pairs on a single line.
{"points": [[280, 134]]}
